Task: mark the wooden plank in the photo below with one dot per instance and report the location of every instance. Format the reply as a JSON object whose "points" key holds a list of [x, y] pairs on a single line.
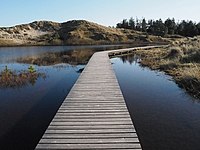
{"points": [[90, 141], [95, 104], [92, 108], [89, 146], [88, 111], [84, 127], [89, 131], [90, 116], [91, 113], [89, 136], [98, 101], [92, 98], [91, 123], [91, 120]]}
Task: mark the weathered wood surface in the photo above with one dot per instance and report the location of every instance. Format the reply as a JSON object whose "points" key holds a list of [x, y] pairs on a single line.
{"points": [[94, 115]]}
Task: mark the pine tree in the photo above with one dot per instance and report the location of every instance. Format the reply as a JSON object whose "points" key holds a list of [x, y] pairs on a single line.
{"points": [[144, 25], [170, 25], [132, 23], [138, 25]]}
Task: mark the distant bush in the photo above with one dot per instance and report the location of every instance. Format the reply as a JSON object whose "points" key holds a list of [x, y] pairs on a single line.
{"points": [[175, 52], [193, 57]]}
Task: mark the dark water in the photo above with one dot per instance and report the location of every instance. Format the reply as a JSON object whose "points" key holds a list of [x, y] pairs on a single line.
{"points": [[27, 108], [165, 117]]}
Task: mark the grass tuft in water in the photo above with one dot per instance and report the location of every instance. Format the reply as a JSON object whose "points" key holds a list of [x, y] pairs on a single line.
{"points": [[12, 79]]}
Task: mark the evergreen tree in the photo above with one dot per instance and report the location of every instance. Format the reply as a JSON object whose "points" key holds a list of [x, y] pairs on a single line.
{"points": [[144, 25], [191, 29], [198, 28], [157, 28], [132, 23], [181, 28], [187, 29], [125, 24], [170, 25], [160, 28], [119, 25], [138, 25], [150, 26]]}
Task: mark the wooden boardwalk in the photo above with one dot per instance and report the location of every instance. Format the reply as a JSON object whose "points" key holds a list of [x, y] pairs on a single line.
{"points": [[94, 115]]}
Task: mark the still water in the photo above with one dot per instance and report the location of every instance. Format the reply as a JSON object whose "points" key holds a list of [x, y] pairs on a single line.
{"points": [[165, 117], [29, 102]]}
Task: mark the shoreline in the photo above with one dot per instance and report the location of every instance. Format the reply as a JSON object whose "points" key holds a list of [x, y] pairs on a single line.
{"points": [[88, 44]]}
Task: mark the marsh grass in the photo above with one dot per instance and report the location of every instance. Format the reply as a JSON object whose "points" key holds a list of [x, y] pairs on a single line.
{"points": [[13, 79], [181, 60], [192, 57], [175, 53], [189, 79]]}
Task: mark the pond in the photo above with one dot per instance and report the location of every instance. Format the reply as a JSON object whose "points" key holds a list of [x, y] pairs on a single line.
{"points": [[165, 117], [29, 101]]}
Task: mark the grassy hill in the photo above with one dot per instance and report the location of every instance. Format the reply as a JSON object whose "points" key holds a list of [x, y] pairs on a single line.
{"points": [[75, 32]]}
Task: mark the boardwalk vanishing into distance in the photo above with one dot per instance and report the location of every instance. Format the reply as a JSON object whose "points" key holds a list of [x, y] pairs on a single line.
{"points": [[94, 114]]}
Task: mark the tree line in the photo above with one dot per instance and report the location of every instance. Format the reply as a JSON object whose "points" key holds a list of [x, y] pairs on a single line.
{"points": [[162, 28]]}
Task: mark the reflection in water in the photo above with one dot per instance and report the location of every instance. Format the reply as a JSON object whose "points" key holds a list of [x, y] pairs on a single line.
{"points": [[26, 112], [131, 58], [165, 117], [11, 54], [80, 70], [13, 79], [74, 57], [134, 58]]}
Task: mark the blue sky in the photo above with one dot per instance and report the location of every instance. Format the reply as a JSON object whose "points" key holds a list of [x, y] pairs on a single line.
{"points": [[105, 12]]}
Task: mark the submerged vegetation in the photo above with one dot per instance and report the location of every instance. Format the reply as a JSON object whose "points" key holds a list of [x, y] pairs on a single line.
{"points": [[180, 60], [13, 79]]}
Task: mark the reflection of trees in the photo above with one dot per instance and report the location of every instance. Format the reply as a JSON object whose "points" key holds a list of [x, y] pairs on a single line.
{"points": [[12, 79], [131, 58], [74, 57]]}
